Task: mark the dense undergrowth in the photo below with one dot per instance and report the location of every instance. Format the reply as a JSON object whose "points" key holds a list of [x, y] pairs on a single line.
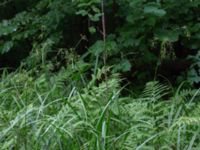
{"points": [[72, 72], [139, 33], [51, 112]]}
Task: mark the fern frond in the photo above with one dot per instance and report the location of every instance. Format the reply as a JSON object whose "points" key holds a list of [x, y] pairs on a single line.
{"points": [[188, 121], [155, 91]]}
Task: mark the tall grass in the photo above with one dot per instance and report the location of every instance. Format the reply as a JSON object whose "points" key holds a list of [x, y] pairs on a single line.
{"points": [[48, 112]]}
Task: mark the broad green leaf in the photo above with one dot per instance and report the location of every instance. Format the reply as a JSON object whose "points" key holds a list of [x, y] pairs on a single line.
{"points": [[97, 48], [154, 10], [92, 30], [167, 35], [123, 66]]}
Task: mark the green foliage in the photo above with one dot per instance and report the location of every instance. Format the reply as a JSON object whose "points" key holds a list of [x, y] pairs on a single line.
{"points": [[160, 123], [41, 25], [144, 32], [36, 113], [68, 93], [193, 73], [89, 8]]}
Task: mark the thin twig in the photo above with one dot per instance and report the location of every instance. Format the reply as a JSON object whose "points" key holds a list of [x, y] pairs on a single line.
{"points": [[104, 39], [105, 54], [104, 31]]}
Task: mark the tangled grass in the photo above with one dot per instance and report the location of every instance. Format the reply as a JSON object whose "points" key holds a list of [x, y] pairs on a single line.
{"points": [[49, 112]]}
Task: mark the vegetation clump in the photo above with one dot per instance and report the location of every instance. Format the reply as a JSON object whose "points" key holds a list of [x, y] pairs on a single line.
{"points": [[99, 75]]}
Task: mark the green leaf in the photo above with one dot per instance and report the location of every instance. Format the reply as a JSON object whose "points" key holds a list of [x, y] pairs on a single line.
{"points": [[167, 35], [123, 66], [92, 30], [6, 47], [82, 12], [111, 47], [95, 17], [7, 28], [154, 10], [97, 48]]}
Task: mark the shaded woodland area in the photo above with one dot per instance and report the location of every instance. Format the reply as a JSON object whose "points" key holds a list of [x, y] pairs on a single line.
{"points": [[100, 74]]}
